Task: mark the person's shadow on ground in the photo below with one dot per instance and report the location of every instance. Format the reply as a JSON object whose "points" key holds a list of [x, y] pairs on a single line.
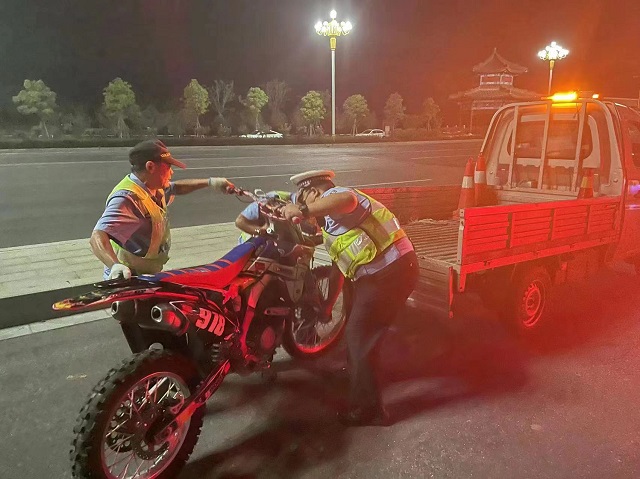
{"points": [[423, 365]]}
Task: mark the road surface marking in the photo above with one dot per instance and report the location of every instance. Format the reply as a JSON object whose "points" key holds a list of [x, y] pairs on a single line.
{"points": [[287, 174], [439, 156], [58, 163], [394, 182], [237, 166]]}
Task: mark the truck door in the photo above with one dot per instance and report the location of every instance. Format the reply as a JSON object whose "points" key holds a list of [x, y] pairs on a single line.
{"points": [[629, 245]]}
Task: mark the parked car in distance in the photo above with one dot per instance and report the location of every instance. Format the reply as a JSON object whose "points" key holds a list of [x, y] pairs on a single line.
{"points": [[372, 132], [263, 134]]}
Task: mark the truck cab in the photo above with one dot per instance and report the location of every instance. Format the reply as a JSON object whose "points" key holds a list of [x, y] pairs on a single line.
{"points": [[540, 151]]}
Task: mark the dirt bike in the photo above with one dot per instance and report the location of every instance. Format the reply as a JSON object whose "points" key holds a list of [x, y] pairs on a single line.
{"points": [[188, 329]]}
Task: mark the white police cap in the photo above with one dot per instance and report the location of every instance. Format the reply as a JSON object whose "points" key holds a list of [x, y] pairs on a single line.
{"points": [[302, 180]]}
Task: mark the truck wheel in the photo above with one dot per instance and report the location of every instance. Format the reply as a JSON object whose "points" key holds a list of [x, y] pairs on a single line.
{"points": [[530, 300]]}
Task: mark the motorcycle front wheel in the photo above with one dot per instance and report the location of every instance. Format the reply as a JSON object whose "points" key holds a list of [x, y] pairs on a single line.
{"points": [[111, 434], [307, 335]]}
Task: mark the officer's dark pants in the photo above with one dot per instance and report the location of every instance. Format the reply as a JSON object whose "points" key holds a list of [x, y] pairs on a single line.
{"points": [[377, 300]]}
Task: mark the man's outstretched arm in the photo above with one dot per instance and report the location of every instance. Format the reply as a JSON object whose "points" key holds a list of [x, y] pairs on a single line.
{"points": [[183, 187]]}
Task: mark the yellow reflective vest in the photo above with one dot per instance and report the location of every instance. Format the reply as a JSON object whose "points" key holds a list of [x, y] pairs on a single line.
{"points": [[365, 242], [155, 259]]}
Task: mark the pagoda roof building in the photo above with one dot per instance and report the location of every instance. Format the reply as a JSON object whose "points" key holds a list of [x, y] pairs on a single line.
{"points": [[495, 89], [496, 63]]}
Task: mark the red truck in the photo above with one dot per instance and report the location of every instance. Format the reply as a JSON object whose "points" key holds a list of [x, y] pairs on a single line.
{"points": [[536, 232]]}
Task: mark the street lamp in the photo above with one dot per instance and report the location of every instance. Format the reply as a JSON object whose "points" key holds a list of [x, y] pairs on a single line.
{"points": [[333, 30], [551, 54]]}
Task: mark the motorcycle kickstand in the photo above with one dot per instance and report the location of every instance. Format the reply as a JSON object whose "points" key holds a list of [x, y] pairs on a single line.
{"points": [[268, 374]]}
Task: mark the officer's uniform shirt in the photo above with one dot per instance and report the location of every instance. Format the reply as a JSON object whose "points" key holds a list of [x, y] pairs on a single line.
{"points": [[125, 221]]}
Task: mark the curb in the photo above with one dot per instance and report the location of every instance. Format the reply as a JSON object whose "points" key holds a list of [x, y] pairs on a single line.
{"points": [[35, 307]]}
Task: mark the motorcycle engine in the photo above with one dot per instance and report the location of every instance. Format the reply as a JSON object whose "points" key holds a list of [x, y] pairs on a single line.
{"points": [[265, 335]]}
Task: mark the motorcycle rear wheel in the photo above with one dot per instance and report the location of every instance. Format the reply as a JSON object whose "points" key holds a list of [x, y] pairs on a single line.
{"points": [[304, 335], [110, 440]]}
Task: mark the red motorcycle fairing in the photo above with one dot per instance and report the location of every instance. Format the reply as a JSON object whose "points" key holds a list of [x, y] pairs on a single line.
{"points": [[212, 276]]}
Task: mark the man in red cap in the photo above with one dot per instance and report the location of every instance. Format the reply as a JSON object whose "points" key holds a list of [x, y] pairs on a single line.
{"points": [[132, 236]]}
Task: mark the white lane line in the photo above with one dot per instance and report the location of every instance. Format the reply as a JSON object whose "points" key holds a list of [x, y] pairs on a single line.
{"points": [[439, 156], [288, 174], [229, 167], [58, 163], [395, 182]]}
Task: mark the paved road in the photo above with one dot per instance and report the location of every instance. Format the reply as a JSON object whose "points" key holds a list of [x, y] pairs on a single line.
{"points": [[469, 403], [56, 195]]}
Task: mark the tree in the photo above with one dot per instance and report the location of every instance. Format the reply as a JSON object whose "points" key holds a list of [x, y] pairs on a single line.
{"points": [[178, 123], [154, 121], [74, 120], [119, 101], [36, 99], [356, 109], [196, 102], [255, 101], [220, 94], [431, 113], [312, 109], [277, 92], [394, 110]]}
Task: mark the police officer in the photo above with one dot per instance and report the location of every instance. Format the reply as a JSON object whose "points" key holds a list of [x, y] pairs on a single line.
{"points": [[365, 240], [132, 236]]}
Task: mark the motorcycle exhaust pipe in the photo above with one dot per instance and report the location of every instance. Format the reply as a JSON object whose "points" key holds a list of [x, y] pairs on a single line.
{"points": [[123, 311], [167, 318]]}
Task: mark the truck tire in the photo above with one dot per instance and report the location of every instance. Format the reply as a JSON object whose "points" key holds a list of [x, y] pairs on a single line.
{"points": [[529, 305]]}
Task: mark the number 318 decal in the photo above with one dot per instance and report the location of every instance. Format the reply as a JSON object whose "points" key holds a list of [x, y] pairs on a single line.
{"points": [[212, 322]]}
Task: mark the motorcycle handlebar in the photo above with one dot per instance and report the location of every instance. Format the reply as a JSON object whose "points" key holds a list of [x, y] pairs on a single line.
{"points": [[269, 212], [266, 211]]}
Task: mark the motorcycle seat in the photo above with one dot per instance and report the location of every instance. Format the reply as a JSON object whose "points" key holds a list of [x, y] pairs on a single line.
{"points": [[214, 275]]}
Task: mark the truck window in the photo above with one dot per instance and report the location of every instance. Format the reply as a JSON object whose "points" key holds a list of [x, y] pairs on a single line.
{"points": [[601, 143], [560, 158], [634, 135]]}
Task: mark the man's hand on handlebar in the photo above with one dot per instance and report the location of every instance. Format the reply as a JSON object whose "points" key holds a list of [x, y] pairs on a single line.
{"points": [[222, 185], [292, 213]]}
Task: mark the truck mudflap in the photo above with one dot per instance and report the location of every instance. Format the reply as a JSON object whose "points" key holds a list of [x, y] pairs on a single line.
{"points": [[435, 289]]}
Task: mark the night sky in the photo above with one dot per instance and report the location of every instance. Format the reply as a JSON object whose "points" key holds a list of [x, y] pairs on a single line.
{"points": [[419, 48]]}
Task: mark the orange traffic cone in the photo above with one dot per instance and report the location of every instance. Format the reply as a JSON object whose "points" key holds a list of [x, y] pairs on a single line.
{"points": [[480, 180], [586, 187], [467, 194]]}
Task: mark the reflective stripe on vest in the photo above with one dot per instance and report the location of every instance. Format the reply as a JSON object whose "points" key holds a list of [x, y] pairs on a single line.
{"points": [[364, 243], [155, 259]]}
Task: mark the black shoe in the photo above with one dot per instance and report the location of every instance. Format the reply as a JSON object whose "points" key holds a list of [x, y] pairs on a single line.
{"points": [[377, 416]]}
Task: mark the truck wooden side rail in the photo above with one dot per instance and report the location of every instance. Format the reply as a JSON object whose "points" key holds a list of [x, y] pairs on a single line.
{"points": [[492, 237]]}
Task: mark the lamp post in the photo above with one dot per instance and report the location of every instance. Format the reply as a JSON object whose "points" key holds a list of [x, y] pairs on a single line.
{"points": [[333, 30], [551, 54]]}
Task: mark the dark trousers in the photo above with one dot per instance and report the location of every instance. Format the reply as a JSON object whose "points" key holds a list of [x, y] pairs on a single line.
{"points": [[377, 300]]}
